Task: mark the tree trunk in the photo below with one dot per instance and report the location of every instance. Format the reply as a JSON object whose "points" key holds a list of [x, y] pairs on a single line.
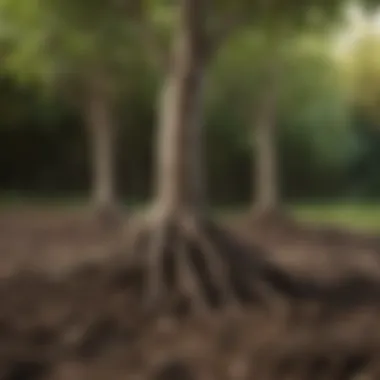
{"points": [[266, 176], [188, 262], [179, 156], [101, 130]]}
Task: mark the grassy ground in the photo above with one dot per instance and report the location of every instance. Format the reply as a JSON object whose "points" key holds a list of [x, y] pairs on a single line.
{"points": [[352, 216]]}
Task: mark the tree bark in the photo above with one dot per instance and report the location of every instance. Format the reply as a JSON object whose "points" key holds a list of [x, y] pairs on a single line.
{"points": [[101, 132], [179, 157], [188, 262], [266, 176]]}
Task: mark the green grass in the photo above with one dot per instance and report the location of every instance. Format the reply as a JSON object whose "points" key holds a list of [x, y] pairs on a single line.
{"points": [[359, 216], [353, 216]]}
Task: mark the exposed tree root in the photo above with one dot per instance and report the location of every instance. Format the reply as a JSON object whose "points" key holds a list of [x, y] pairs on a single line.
{"points": [[194, 264]]}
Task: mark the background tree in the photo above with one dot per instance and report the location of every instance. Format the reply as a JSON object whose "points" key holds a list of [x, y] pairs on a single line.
{"points": [[279, 25], [277, 43], [315, 137], [78, 52]]}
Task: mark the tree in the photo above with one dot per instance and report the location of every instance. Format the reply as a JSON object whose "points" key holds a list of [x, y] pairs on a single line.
{"points": [[315, 17], [266, 195], [280, 82], [180, 251], [79, 52], [266, 200], [259, 79], [101, 127], [315, 138]]}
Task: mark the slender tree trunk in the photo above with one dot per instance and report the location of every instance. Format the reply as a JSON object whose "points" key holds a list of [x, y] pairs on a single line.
{"points": [[266, 177], [179, 157], [101, 132], [188, 261]]}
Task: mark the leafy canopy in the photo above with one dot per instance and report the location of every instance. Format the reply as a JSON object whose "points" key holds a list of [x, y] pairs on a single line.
{"points": [[44, 40]]}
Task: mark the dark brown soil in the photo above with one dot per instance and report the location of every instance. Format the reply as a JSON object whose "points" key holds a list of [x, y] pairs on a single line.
{"points": [[69, 308]]}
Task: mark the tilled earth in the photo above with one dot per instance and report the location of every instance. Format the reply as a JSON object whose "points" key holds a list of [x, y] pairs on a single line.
{"points": [[69, 310]]}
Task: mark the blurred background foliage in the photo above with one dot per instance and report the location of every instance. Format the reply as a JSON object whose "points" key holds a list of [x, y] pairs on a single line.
{"points": [[329, 118]]}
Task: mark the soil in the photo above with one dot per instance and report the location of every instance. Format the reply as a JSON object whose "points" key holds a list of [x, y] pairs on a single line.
{"points": [[69, 307]]}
